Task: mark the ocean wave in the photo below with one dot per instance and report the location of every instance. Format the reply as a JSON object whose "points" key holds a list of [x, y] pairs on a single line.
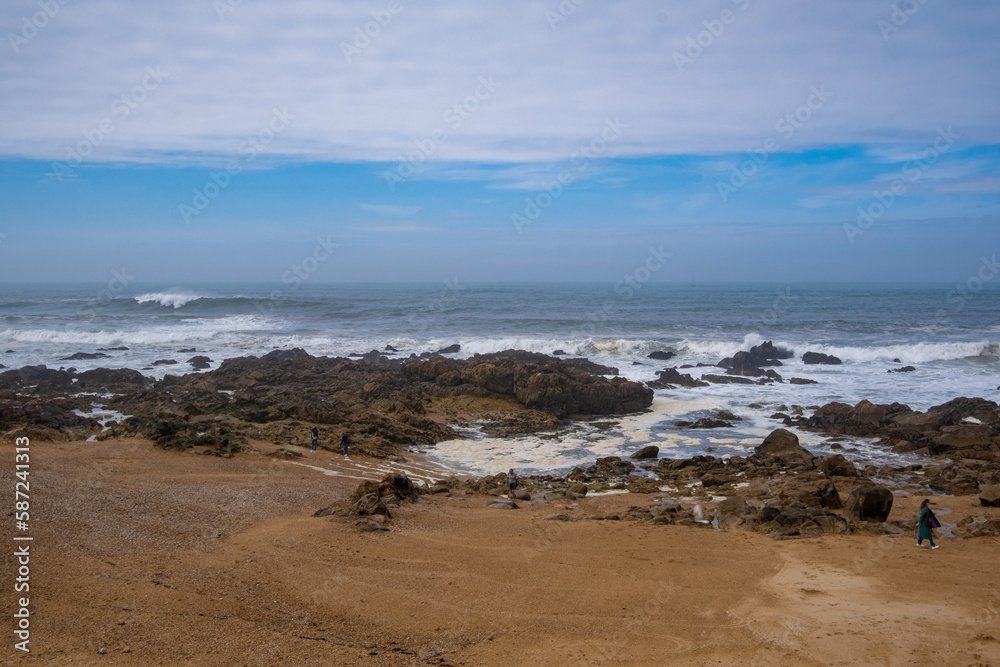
{"points": [[168, 299]]}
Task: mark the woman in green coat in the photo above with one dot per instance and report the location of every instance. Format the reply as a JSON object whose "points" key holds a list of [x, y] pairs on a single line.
{"points": [[924, 524]]}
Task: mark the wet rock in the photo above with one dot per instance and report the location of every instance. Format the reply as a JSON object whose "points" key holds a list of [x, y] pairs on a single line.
{"points": [[647, 452], [121, 348], [820, 358], [802, 381], [704, 422], [784, 445], [727, 379], [560, 353], [869, 503], [836, 465], [80, 356], [200, 362], [672, 376], [165, 362], [390, 348], [904, 369], [187, 350], [451, 349], [661, 355]]}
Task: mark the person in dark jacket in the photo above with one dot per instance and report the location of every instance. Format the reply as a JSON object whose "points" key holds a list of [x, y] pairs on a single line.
{"points": [[345, 442], [925, 524], [315, 438]]}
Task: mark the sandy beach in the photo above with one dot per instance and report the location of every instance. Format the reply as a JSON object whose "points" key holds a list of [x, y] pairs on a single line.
{"points": [[143, 557]]}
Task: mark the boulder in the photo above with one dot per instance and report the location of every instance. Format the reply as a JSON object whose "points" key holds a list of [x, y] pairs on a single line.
{"points": [[869, 503], [370, 504], [578, 489], [727, 379], [820, 358], [80, 356], [836, 465], [199, 362], [609, 466], [979, 527], [661, 355], [399, 485], [672, 376], [989, 496], [784, 445], [502, 504], [165, 362], [647, 452], [903, 369], [451, 349], [522, 494], [802, 381]]}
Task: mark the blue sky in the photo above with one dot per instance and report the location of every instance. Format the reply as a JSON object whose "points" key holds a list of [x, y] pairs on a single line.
{"points": [[217, 140]]}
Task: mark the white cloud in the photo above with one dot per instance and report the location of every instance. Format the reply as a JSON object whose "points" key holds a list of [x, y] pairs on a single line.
{"points": [[553, 87]]}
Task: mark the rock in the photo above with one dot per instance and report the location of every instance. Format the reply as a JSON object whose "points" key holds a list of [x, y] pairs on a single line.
{"points": [[661, 355], [989, 496], [79, 356], [708, 480], [802, 381], [369, 526], [557, 517], [672, 376], [281, 355], [187, 350], [704, 422], [869, 503], [727, 379], [390, 348], [904, 447], [904, 369], [765, 354], [369, 504], [784, 445], [121, 348], [451, 349], [832, 524], [502, 504], [609, 467], [399, 485], [979, 527], [199, 362], [836, 465], [559, 353], [522, 494], [164, 362], [578, 489], [820, 358], [647, 452]]}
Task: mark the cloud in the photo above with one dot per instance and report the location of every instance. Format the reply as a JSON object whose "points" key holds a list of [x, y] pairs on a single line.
{"points": [[416, 82], [390, 209]]}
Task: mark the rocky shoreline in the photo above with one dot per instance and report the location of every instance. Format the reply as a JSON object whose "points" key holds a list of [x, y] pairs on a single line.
{"points": [[389, 405]]}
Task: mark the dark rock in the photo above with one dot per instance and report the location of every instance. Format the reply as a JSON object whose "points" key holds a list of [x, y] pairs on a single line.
{"points": [[989, 496], [390, 348], [727, 379], [200, 362], [399, 485], [802, 381], [784, 445], [836, 465], [661, 355], [704, 422], [78, 356], [979, 527], [502, 504], [187, 350], [557, 517], [904, 369], [559, 353], [164, 362], [451, 349], [673, 376], [369, 526], [647, 452], [869, 503], [820, 358], [522, 494], [112, 349], [370, 504], [578, 489], [278, 354], [609, 467]]}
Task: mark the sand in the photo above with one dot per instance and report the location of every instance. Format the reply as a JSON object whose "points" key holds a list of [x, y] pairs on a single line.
{"points": [[148, 557]]}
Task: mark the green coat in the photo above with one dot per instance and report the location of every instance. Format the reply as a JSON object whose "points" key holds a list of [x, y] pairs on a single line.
{"points": [[924, 531]]}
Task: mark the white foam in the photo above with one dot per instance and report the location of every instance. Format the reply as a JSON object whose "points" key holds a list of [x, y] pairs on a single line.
{"points": [[168, 299]]}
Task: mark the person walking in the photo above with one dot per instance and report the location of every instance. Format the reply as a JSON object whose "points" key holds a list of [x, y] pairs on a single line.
{"points": [[315, 438], [345, 442], [926, 524], [511, 482]]}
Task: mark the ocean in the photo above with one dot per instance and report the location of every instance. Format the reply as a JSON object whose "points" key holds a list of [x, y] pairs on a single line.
{"points": [[949, 333]]}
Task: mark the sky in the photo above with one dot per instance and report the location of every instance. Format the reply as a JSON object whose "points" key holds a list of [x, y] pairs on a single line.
{"points": [[391, 140]]}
